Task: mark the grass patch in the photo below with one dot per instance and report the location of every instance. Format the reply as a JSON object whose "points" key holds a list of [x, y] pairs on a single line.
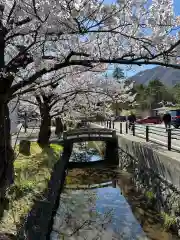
{"points": [[168, 221], [150, 195], [32, 174]]}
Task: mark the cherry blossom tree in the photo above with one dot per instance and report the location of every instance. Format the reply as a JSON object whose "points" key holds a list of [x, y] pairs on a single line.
{"points": [[88, 94], [106, 92], [37, 38], [48, 105]]}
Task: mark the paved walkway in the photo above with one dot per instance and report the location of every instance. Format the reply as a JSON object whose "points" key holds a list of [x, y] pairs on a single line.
{"points": [[31, 134], [157, 134], [157, 138], [157, 147]]}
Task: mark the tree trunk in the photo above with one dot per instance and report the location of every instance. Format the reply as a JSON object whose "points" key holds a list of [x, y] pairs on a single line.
{"points": [[45, 128], [6, 152]]}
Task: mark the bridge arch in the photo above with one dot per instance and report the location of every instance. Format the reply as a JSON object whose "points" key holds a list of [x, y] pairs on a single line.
{"points": [[94, 134]]}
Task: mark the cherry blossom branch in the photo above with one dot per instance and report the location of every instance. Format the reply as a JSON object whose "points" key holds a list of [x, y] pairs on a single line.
{"points": [[43, 71]]}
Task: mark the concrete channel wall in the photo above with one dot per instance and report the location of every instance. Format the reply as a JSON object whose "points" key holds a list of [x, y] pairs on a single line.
{"points": [[163, 162], [155, 172]]}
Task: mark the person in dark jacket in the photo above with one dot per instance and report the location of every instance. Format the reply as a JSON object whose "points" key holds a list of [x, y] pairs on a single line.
{"points": [[167, 120], [131, 119]]}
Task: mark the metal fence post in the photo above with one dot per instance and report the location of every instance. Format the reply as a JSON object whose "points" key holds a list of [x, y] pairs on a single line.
{"points": [[110, 124], [147, 133], [126, 127], [133, 129], [120, 127], [169, 139], [113, 124], [114, 133]]}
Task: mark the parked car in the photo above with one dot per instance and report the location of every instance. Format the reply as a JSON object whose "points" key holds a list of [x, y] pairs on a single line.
{"points": [[175, 117], [150, 120]]}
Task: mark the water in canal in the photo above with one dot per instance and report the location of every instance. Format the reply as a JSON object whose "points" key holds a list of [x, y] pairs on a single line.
{"points": [[94, 206]]}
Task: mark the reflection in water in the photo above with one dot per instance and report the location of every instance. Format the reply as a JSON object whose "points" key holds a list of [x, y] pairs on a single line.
{"points": [[102, 213], [92, 207], [96, 212], [84, 152]]}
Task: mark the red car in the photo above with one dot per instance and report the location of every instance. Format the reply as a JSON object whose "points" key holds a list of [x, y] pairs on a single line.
{"points": [[150, 120]]}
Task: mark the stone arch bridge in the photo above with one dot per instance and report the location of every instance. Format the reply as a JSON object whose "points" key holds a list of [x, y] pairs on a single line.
{"points": [[92, 134]]}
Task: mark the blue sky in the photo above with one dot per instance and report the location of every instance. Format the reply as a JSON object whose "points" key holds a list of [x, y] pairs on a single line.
{"points": [[137, 69]]}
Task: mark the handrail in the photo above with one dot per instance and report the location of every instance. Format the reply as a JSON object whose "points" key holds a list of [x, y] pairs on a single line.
{"points": [[159, 135], [89, 130], [88, 133]]}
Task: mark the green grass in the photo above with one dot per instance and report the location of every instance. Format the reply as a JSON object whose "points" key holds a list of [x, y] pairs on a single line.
{"points": [[150, 195], [168, 220], [32, 174]]}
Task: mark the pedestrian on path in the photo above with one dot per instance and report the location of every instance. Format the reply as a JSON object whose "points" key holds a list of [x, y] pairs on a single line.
{"points": [[131, 119], [167, 120]]}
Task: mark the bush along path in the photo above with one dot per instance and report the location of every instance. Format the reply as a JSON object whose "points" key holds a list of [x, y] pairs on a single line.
{"points": [[32, 174]]}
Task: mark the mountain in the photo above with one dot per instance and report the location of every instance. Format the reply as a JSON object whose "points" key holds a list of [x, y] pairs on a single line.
{"points": [[168, 76]]}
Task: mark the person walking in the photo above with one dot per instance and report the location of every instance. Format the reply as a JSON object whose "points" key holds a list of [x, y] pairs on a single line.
{"points": [[167, 120], [131, 119]]}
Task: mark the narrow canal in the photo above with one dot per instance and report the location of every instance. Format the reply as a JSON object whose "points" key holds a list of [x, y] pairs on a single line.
{"points": [[100, 203]]}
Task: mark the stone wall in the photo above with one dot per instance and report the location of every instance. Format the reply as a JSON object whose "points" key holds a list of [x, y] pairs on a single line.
{"points": [[155, 172], [162, 195], [163, 162]]}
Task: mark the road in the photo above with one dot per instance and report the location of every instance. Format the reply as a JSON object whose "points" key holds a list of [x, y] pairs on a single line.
{"points": [[31, 134], [157, 133]]}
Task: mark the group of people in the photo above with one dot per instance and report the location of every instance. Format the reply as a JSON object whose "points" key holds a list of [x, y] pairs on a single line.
{"points": [[166, 119]]}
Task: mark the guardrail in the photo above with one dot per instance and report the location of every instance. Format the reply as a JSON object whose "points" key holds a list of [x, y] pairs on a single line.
{"points": [[89, 132], [151, 133]]}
